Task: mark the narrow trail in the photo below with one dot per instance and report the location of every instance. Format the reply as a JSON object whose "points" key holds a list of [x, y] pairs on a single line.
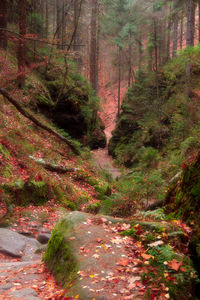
{"points": [[109, 105]]}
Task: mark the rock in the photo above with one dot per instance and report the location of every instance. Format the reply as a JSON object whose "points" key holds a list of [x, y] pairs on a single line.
{"points": [[43, 238], [11, 243], [30, 250], [28, 294], [5, 287], [74, 250], [97, 139]]}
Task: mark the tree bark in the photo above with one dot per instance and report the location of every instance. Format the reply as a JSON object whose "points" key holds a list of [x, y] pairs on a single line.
{"points": [[181, 31], [3, 24], [199, 18], [53, 167], [47, 19], [119, 83], [175, 36], [21, 44], [168, 40], [190, 23], [29, 116], [189, 41], [93, 46], [59, 22]]}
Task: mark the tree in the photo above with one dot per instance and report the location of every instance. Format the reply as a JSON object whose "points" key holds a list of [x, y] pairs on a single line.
{"points": [[3, 24], [175, 35], [189, 41], [22, 43], [59, 23], [93, 47]]}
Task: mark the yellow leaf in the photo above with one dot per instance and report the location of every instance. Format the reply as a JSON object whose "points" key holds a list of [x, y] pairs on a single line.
{"points": [[92, 276], [77, 297]]}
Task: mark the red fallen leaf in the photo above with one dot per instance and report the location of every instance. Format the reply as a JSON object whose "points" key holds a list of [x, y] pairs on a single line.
{"points": [[153, 297], [115, 280], [183, 270], [174, 265], [99, 240], [123, 262]]}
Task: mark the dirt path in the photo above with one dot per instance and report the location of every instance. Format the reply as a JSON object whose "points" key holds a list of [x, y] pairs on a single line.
{"points": [[105, 161], [109, 105]]}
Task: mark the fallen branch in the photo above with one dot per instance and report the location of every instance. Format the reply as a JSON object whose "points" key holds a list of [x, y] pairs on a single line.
{"points": [[52, 167], [36, 121]]}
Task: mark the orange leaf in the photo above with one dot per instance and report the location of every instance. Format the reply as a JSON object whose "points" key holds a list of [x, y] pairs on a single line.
{"points": [[174, 265], [123, 262]]}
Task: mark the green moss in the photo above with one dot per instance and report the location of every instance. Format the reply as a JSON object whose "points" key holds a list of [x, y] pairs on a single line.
{"points": [[4, 151], [43, 100], [22, 193], [59, 256], [92, 208]]}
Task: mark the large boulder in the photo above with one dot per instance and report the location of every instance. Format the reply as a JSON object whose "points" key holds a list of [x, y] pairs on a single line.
{"points": [[84, 254]]}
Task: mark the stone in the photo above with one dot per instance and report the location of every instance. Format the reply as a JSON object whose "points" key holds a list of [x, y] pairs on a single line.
{"points": [[71, 252], [28, 294], [11, 243], [30, 250], [43, 238], [5, 287]]}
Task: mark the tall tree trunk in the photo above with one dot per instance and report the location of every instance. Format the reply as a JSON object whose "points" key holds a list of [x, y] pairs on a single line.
{"points": [[168, 40], [59, 23], [129, 64], [47, 19], [119, 83], [140, 52], [175, 36], [181, 31], [189, 41], [199, 18], [21, 45], [3, 24], [75, 22], [63, 24], [98, 52], [93, 46]]}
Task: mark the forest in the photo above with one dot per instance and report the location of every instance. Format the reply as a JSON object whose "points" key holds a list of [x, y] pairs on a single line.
{"points": [[100, 149]]}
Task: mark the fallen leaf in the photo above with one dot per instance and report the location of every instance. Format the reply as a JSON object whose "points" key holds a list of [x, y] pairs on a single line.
{"points": [[174, 265], [146, 256], [155, 244], [123, 262]]}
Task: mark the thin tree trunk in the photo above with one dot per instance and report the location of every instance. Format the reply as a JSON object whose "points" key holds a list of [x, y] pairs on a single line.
{"points": [[181, 31], [130, 64], [63, 24], [119, 83], [199, 19], [3, 24], [189, 42], [175, 36], [168, 40], [47, 19], [21, 45], [59, 22], [93, 46], [140, 52]]}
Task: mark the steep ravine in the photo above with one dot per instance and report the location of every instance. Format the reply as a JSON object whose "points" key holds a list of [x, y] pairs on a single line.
{"points": [[108, 115]]}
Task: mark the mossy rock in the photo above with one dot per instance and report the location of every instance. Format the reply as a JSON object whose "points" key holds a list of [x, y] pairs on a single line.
{"points": [[24, 193], [64, 258], [60, 256]]}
